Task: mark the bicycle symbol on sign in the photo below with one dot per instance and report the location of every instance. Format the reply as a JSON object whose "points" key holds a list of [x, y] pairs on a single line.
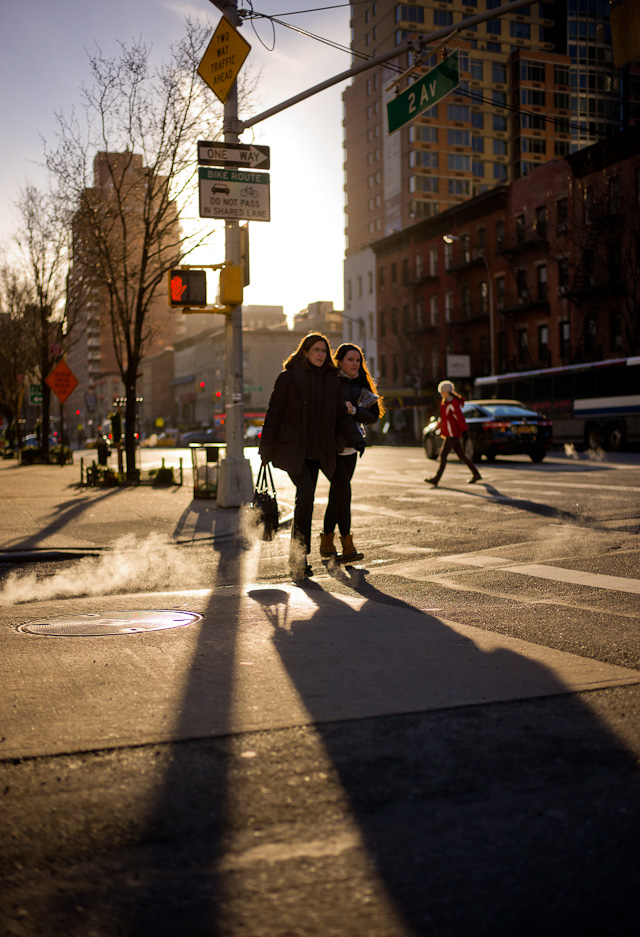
{"points": [[248, 192]]}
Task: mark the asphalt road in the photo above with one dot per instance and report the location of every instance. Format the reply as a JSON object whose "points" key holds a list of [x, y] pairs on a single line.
{"points": [[443, 740]]}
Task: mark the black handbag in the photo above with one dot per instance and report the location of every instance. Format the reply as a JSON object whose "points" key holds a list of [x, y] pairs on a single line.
{"points": [[264, 507]]}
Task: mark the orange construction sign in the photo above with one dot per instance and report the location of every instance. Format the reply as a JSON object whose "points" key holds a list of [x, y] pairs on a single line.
{"points": [[62, 381]]}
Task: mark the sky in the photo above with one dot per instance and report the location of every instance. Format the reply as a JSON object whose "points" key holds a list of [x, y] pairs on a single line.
{"points": [[296, 258]]}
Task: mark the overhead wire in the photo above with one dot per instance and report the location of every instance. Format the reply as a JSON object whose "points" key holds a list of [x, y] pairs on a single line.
{"points": [[473, 95]]}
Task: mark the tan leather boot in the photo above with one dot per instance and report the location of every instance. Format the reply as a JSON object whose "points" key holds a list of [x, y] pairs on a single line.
{"points": [[349, 552], [327, 548]]}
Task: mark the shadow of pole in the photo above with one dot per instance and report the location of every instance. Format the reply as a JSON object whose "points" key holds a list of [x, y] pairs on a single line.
{"points": [[478, 810]]}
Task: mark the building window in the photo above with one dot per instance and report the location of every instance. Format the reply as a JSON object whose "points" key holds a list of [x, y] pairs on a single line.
{"points": [[523, 346], [394, 272], [542, 282], [494, 27], [614, 195], [520, 230], [543, 344], [448, 306], [563, 274], [476, 69], [499, 123], [420, 312], [562, 215], [433, 309], [396, 370], [499, 232], [457, 112], [465, 294], [459, 137], [499, 147], [520, 30], [565, 339], [532, 71], [381, 278], [442, 18], [541, 222], [588, 204], [394, 321], [419, 265], [500, 293], [459, 163], [383, 323], [521, 282], [498, 73]]}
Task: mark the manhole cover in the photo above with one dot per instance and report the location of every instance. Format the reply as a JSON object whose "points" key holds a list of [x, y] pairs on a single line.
{"points": [[113, 623]]}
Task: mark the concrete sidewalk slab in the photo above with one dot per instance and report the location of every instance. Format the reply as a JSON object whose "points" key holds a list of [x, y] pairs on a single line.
{"points": [[262, 658], [47, 509]]}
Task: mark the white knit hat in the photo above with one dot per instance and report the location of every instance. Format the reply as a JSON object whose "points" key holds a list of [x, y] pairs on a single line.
{"points": [[445, 387]]}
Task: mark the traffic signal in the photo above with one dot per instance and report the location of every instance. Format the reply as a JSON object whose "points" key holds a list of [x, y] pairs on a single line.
{"points": [[187, 288], [231, 282]]}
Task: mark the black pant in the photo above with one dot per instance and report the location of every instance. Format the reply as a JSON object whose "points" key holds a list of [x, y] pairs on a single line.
{"points": [[305, 484], [453, 442], [339, 503]]}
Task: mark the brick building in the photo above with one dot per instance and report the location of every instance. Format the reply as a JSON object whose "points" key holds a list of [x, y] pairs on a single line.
{"points": [[539, 273]]}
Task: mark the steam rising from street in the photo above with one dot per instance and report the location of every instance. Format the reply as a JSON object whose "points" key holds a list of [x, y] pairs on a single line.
{"points": [[131, 564]]}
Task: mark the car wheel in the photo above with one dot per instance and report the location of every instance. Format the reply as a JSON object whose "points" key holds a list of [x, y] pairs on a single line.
{"points": [[431, 446], [594, 436], [538, 454], [614, 438], [490, 455], [469, 449]]}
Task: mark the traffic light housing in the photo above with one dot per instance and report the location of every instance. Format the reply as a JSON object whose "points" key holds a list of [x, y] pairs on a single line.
{"points": [[187, 287], [231, 283]]}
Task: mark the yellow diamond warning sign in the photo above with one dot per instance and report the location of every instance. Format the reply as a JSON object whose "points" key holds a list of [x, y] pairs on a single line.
{"points": [[223, 59]]}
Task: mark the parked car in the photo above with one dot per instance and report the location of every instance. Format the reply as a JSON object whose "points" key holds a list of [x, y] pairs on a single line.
{"points": [[200, 436], [497, 427], [31, 441], [252, 435]]}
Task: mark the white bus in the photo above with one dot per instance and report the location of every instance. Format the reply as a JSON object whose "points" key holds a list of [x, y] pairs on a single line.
{"points": [[596, 405]]}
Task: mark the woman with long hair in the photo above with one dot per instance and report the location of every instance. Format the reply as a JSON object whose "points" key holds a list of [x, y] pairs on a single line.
{"points": [[365, 407], [452, 426], [305, 413]]}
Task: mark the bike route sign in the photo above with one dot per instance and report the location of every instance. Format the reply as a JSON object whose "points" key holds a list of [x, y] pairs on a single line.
{"points": [[233, 194]]}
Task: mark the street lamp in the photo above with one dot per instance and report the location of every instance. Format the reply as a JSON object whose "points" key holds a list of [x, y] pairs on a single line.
{"points": [[449, 239]]}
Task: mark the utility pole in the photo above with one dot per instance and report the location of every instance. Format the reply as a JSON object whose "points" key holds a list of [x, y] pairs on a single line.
{"points": [[235, 484]]}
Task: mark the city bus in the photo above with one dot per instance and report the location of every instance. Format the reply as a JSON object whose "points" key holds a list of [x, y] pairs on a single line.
{"points": [[595, 405]]}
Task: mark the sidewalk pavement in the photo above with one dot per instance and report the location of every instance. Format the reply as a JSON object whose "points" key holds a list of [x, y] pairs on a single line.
{"points": [[47, 510], [347, 660]]}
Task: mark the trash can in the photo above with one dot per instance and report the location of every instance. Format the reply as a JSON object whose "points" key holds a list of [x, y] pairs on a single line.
{"points": [[204, 461]]}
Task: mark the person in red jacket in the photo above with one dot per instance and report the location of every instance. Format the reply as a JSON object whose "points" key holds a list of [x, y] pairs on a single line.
{"points": [[452, 425]]}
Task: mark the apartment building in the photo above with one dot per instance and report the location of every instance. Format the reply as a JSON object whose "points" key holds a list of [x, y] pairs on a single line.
{"points": [[536, 84]]}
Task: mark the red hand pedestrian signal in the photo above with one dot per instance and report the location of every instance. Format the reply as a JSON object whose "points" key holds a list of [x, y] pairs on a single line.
{"points": [[187, 288], [177, 289]]}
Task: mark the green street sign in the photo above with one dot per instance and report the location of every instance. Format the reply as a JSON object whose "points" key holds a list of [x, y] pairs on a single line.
{"points": [[423, 94], [35, 394]]}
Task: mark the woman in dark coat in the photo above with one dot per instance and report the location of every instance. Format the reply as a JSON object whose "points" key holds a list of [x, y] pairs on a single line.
{"points": [[305, 413], [365, 407]]}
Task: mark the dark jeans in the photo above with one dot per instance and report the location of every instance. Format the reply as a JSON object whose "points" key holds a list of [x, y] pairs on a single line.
{"points": [[339, 503], [453, 442], [305, 484]]}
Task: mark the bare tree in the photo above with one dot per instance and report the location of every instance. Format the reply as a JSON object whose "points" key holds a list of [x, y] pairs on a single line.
{"points": [[43, 242], [140, 132], [18, 360]]}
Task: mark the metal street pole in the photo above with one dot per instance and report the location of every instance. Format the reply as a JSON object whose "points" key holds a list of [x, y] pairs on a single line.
{"points": [[235, 484]]}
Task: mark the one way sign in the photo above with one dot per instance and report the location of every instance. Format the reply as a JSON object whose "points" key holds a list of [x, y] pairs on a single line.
{"points": [[248, 155]]}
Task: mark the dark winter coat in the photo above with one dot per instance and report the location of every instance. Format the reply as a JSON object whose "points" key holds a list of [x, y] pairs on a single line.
{"points": [[351, 389], [305, 413]]}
